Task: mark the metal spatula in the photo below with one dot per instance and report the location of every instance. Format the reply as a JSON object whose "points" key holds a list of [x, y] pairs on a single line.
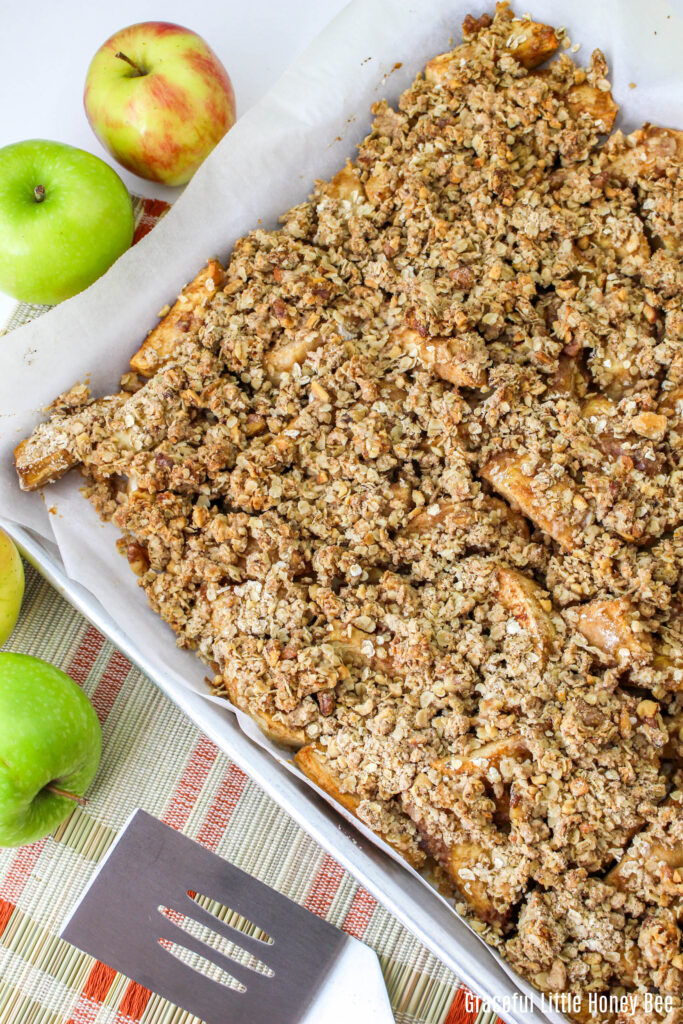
{"points": [[140, 915]]}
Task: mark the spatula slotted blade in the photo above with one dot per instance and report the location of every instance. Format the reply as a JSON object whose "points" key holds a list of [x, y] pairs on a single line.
{"points": [[119, 922]]}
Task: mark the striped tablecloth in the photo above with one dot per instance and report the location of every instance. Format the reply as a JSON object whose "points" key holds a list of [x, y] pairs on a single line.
{"points": [[155, 758]]}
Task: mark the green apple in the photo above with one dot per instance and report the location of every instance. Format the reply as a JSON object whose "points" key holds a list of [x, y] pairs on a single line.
{"points": [[65, 216], [11, 586], [159, 100], [50, 747]]}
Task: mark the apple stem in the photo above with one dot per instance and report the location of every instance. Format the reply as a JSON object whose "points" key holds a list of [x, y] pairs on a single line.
{"points": [[80, 800], [136, 67], [39, 193]]}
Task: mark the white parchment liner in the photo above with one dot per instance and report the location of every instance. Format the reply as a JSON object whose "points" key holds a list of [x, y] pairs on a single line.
{"points": [[303, 129]]}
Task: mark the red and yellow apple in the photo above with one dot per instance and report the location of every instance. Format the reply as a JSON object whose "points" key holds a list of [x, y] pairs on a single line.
{"points": [[159, 100]]}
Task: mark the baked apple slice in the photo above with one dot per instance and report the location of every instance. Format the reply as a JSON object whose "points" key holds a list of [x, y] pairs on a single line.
{"points": [[399, 831], [548, 505], [185, 315], [460, 360], [60, 443], [613, 626], [529, 606]]}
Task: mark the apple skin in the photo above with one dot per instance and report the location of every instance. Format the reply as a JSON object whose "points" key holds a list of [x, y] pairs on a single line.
{"points": [[54, 248], [11, 586], [161, 123], [49, 734]]}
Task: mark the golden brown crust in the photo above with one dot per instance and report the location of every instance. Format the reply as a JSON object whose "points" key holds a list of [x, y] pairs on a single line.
{"points": [[271, 726], [62, 442], [460, 861], [484, 871], [530, 42], [312, 764], [311, 761], [653, 863], [35, 469]]}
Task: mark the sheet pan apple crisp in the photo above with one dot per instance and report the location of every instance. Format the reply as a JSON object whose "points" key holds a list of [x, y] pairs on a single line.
{"points": [[407, 476]]}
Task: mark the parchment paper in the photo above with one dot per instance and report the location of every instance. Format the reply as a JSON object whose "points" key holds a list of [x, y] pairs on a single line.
{"points": [[303, 129]]}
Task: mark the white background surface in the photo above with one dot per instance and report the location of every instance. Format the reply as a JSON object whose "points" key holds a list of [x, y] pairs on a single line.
{"points": [[47, 45]]}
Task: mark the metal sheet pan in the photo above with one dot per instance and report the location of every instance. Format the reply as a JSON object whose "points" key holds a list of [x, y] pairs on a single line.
{"points": [[413, 902]]}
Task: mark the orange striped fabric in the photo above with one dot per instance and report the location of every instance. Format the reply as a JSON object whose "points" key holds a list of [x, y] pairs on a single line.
{"points": [[151, 212], [325, 886], [133, 1004], [191, 782], [359, 914], [6, 911]]}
